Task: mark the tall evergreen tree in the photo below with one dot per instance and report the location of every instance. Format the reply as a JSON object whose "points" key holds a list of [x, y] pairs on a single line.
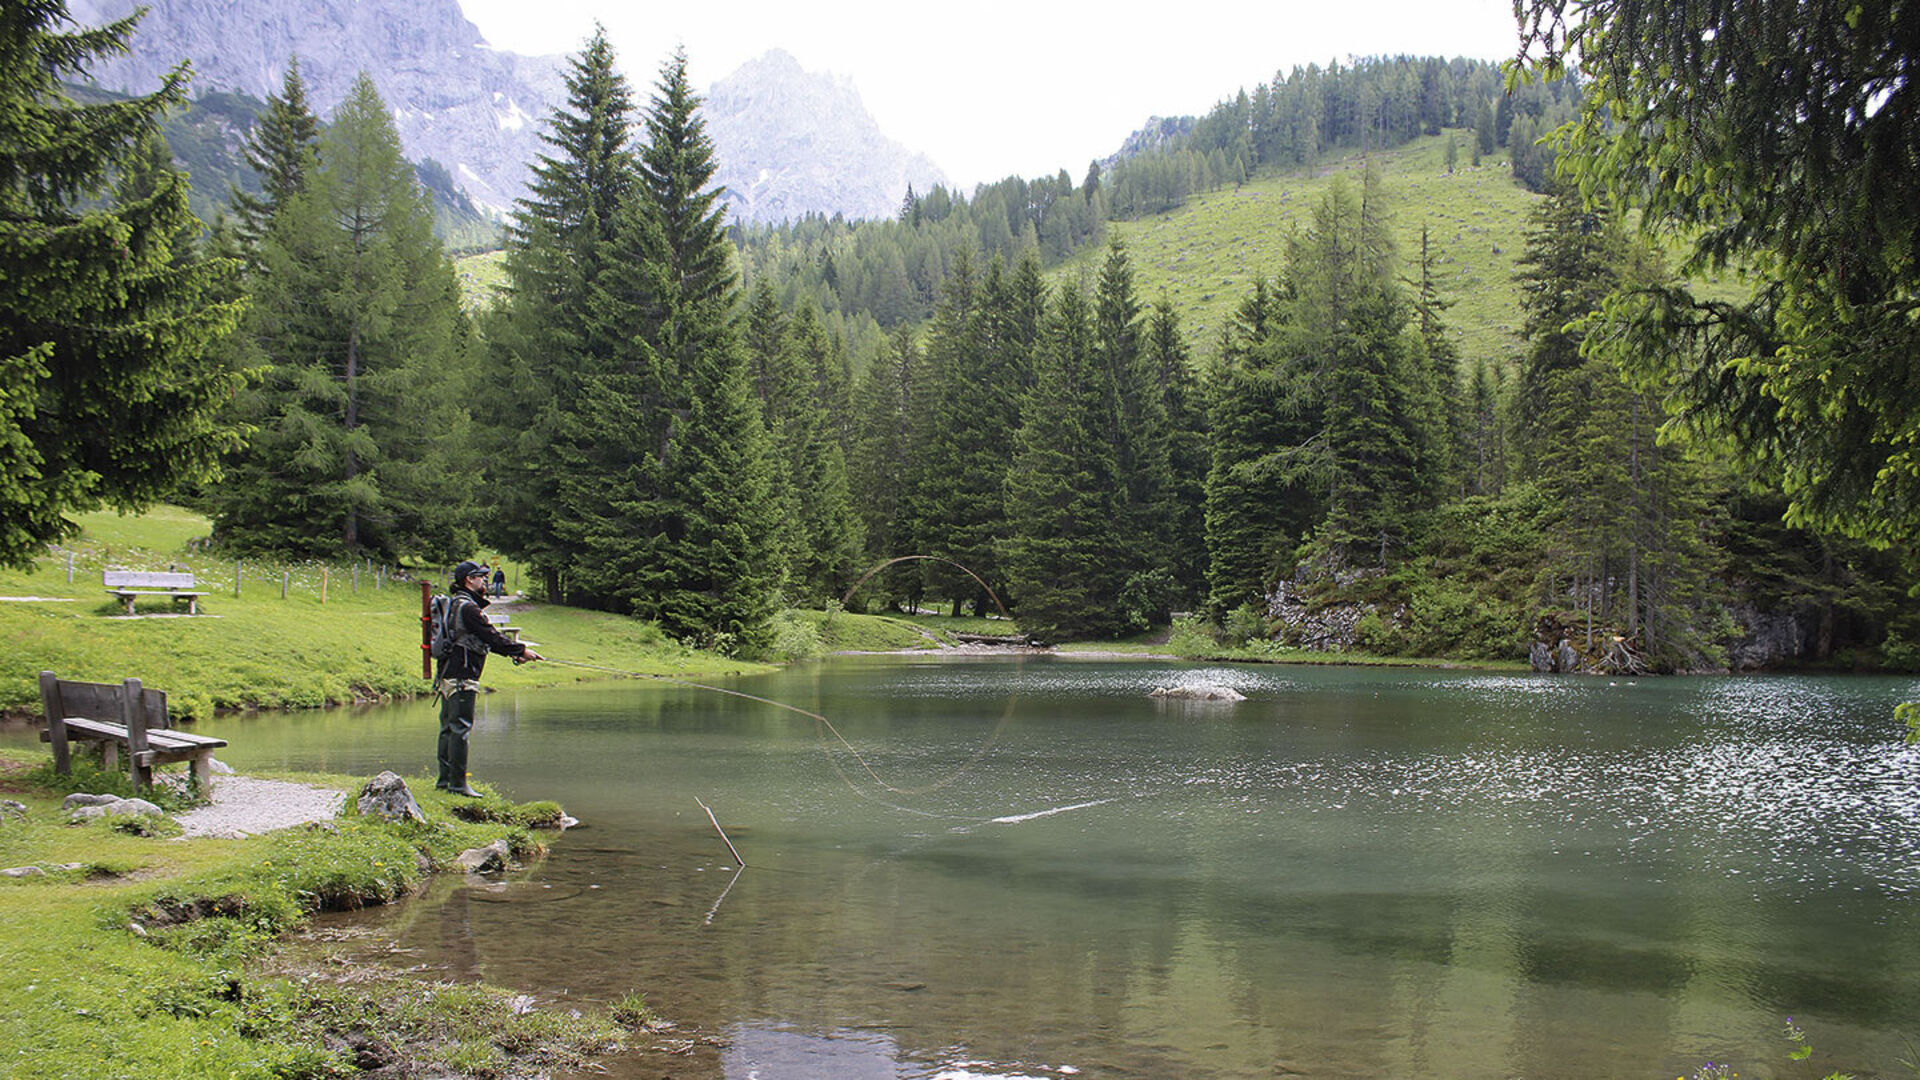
{"points": [[1254, 514], [1164, 349], [963, 441], [720, 571], [1632, 548], [1805, 176], [1139, 432], [879, 460], [1062, 552], [281, 150], [361, 416], [564, 235], [111, 389]]}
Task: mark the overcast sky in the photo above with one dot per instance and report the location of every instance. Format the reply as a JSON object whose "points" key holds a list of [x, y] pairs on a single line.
{"points": [[996, 88]]}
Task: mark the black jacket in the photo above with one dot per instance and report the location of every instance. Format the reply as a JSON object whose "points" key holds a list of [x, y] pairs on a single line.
{"points": [[467, 663]]}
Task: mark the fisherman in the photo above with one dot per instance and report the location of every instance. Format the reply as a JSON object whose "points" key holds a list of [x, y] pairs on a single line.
{"points": [[459, 677]]}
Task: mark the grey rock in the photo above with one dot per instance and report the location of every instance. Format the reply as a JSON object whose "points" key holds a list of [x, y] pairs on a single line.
{"points": [[82, 799], [1540, 657], [11, 809], [387, 796], [786, 142], [1204, 692], [1768, 639], [791, 142], [486, 860], [133, 808]]}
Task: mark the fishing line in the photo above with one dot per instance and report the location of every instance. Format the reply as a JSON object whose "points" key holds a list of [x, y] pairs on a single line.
{"points": [[825, 725]]}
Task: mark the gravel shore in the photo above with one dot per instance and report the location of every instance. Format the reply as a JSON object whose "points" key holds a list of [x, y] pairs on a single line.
{"points": [[246, 805]]}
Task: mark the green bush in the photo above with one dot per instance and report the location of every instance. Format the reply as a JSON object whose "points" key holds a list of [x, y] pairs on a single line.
{"points": [[1192, 638], [1244, 623]]}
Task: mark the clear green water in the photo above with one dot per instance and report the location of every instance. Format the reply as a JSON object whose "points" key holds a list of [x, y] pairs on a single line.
{"points": [[1355, 873]]}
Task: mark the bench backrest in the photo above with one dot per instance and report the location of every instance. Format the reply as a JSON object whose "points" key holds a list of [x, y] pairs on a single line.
{"points": [[98, 701], [145, 579]]}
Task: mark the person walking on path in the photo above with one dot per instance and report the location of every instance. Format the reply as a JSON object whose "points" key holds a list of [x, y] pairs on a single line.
{"points": [[499, 580], [459, 675]]}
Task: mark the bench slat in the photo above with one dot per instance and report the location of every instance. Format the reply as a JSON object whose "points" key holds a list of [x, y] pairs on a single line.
{"points": [[145, 579], [161, 738]]}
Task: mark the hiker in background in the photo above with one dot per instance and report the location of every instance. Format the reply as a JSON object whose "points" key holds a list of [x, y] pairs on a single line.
{"points": [[459, 676], [499, 580]]}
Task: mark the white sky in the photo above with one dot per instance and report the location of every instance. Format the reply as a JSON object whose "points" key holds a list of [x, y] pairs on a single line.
{"points": [[995, 88]]}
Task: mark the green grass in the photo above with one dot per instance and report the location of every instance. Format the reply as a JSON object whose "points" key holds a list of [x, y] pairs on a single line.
{"points": [[163, 958], [483, 278], [1206, 255], [259, 649]]}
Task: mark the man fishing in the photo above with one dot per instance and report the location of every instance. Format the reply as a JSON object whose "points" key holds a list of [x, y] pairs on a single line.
{"points": [[458, 682]]}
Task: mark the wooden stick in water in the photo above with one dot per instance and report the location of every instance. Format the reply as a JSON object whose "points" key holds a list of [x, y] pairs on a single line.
{"points": [[721, 831]]}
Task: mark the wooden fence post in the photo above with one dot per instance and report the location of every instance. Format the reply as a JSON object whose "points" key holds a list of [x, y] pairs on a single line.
{"points": [[286, 576], [236, 579]]}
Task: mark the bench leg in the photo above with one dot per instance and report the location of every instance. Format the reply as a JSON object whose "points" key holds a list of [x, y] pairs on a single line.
{"points": [[129, 601], [203, 775], [193, 605], [109, 756]]}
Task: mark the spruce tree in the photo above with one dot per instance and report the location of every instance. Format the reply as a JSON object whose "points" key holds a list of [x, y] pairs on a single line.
{"points": [[362, 414], [112, 388], [720, 568], [1062, 553], [280, 148], [562, 238], [963, 439], [1165, 351]]}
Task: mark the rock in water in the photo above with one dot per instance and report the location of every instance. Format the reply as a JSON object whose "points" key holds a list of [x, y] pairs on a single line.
{"points": [[485, 860], [1203, 692], [387, 796]]}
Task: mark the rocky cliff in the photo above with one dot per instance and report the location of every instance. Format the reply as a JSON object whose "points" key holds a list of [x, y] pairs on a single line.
{"points": [[456, 99], [789, 142], [793, 142]]}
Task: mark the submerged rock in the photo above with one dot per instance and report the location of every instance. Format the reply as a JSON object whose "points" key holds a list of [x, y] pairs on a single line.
{"points": [[1203, 692]]}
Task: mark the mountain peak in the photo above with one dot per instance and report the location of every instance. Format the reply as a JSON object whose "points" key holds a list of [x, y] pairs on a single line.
{"points": [[792, 142]]}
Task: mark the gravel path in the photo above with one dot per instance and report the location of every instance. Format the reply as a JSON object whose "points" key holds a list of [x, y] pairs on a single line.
{"points": [[245, 805]]}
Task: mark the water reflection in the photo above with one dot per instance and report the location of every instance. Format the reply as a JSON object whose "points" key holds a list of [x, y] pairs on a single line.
{"points": [[1353, 873]]}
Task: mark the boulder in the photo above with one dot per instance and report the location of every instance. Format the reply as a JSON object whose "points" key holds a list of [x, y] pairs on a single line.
{"points": [[82, 808], [386, 796], [486, 860], [1202, 692], [11, 809]]}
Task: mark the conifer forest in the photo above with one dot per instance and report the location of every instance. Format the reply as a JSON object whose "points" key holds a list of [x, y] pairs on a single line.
{"points": [[673, 417]]}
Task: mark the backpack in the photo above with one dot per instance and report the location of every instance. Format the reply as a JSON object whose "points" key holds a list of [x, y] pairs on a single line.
{"points": [[445, 612]]}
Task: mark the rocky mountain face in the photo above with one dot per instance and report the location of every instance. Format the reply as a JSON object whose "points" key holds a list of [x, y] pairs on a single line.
{"points": [[788, 142], [792, 142], [456, 99]]}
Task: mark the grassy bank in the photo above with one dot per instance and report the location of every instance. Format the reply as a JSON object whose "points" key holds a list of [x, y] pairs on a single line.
{"points": [[296, 635], [135, 955]]}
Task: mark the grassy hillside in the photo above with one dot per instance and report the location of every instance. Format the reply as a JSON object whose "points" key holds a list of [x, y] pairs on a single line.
{"points": [[1207, 254]]}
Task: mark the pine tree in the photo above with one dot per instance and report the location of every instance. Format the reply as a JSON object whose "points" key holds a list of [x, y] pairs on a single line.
{"points": [[112, 388], [719, 568], [1165, 352], [1139, 433], [1062, 553], [1254, 514], [963, 439], [879, 461], [1631, 519], [564, 235], [281, 150], [1805, 178], [361, 416]]}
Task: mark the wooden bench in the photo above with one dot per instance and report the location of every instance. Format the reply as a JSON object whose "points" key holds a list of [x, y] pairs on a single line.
{"points": [[128, 584], [499, 621], [120, 716]]}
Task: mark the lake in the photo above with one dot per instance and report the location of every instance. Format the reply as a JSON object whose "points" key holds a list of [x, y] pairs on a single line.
{"points": [[1027, 867]]}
